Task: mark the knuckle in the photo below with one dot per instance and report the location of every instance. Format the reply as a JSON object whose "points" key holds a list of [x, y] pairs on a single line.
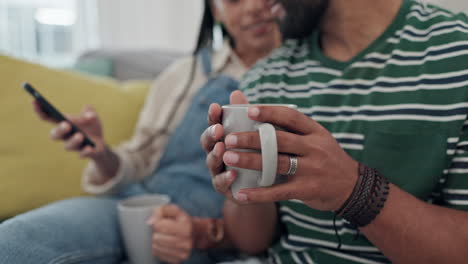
{"points": [[250, 161], [293, 121], [283, 163], [282, 140], [318, 150], [251, 139], [210, 160], [307, 142], [212, 170]]}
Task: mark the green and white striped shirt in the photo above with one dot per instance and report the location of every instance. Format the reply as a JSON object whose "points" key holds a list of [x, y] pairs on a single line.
{"points": [[399, 106]]}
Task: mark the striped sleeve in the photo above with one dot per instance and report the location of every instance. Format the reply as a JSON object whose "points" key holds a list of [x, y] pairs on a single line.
{"points": [[455, 190]]}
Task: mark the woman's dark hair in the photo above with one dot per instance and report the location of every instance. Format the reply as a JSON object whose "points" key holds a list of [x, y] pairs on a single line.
{"points": [[205, 37]]}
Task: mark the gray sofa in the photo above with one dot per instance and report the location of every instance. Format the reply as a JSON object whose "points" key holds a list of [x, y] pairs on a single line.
{"points": [[126, 65]]}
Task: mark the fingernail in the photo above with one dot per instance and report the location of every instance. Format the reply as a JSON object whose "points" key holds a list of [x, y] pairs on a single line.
{"points": [[229, 176], [215, 151], [77, 136], [63, 125], [254, 111], [231, 140], [231, 158], [213, 130], [242, 197], [89, 115]]}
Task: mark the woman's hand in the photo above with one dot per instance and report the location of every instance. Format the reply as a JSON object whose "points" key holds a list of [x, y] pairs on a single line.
{"points": [[173, 237], [88, 121]]}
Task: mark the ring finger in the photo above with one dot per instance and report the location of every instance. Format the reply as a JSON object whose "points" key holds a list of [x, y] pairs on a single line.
{"points": [[287, 142], [253, 161]]}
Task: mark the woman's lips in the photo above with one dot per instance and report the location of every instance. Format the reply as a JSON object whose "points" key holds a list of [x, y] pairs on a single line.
{"points": [[260, 27]]}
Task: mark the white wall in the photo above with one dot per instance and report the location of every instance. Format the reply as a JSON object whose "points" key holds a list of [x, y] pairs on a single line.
{"points": [[167, 24], [455, 5], [143, 24]]}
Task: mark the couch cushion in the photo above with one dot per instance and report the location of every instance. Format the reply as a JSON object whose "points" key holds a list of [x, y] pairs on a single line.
{"points": [[34, 170]]}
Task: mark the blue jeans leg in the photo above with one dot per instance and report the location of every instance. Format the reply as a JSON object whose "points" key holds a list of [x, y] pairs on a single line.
{"points": [[80, 230]]}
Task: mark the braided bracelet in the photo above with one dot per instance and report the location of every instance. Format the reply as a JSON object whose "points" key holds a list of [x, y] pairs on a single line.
{"points": [[367, 199]]}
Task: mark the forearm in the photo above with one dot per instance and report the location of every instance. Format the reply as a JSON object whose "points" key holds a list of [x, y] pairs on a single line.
{"points": [[250, 228], [408, 230], [107, 165]]}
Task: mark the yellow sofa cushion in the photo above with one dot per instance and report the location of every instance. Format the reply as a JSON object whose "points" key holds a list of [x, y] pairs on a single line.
{"points": [[33, 169]]}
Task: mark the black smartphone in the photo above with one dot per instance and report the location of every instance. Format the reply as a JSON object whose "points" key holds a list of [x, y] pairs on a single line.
{"points": [[53, 113]]}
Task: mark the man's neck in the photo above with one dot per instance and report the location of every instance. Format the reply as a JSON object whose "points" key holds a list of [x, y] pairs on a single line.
{"points": [[350, 26]]}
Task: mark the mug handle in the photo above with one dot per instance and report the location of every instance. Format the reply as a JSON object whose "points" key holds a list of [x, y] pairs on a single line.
{"points": [[269, 154]]}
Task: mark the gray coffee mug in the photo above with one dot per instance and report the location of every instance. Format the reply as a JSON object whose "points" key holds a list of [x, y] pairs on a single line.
{"points": [[133, 215], [235, 119]]}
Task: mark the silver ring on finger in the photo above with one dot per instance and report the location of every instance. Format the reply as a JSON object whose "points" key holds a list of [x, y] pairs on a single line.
{"points": [[292, 165]]}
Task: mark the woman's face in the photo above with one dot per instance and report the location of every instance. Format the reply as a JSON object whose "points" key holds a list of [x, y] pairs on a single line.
{"points": [[250, 22]]}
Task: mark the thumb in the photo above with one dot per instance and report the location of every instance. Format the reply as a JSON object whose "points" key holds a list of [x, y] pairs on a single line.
{"points": [[89, 113], [237, 97]]}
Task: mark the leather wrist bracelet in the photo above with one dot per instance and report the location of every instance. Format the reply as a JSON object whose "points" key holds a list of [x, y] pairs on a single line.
{"points": [[367, 199]]}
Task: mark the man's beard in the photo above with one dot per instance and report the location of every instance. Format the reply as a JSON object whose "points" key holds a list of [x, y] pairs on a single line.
{"points": [[302, 17]]}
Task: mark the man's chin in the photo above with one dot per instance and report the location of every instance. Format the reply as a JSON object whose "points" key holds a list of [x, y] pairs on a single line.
{"points": [[302, 18]]}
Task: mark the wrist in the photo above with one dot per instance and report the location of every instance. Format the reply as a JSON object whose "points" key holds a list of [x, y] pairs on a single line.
{"points": [[104, 155], [367, 198], [348, 188], [107, 163]]}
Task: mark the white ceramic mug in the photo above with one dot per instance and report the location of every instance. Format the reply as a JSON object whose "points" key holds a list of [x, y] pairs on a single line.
{"points": [[235, 119], [133, 215]]}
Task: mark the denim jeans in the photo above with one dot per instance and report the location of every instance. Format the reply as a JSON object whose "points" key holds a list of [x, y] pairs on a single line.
{"points": [[80, 230]]}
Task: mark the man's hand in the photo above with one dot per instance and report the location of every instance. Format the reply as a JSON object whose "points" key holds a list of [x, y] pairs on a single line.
{"points": [[325, 177], [173, 234]]}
